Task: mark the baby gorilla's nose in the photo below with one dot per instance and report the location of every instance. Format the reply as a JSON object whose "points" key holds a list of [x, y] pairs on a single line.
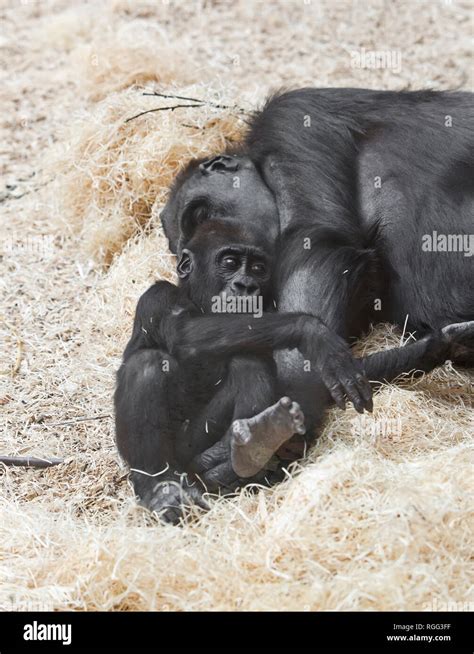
{"points": [[243, 287]]}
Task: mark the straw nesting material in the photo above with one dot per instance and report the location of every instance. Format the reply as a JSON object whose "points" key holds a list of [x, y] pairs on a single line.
{"points": [[379, 514]]}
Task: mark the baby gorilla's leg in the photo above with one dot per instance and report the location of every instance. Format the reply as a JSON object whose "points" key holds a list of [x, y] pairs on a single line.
{"points": [[251, 384], [150, 406], [455, 342], [256, 439]]}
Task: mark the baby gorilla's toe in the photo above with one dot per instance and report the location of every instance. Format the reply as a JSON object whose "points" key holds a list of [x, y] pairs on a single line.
{"points": [[241, 432], [297, 416]]}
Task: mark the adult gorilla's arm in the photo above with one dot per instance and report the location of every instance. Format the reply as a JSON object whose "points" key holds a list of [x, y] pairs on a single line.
{"points": [[215, 466], [325, 265], [305, 144]]}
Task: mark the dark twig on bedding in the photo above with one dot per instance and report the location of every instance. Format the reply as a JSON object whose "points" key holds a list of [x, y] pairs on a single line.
{"points": [[209, 103], [30, 461], [196, 103], [149, 111]]}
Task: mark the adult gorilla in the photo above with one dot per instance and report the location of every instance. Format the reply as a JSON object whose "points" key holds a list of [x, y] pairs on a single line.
{"points": [[371, 196]]}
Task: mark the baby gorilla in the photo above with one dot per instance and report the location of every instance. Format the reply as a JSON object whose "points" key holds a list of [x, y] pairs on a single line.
{"points": [[180, 390], [198, 381]]}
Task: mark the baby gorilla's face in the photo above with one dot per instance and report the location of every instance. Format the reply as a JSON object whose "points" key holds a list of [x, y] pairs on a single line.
{"points": [[241, 270], [217, 267]]}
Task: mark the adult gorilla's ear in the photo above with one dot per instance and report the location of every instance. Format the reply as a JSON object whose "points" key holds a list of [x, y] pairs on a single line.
{"points": [[185, 265], [170, 224], [194, 215], [279, 182]]}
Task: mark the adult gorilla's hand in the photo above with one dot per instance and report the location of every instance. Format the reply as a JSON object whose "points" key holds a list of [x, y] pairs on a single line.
{"points": [[340, 372]]}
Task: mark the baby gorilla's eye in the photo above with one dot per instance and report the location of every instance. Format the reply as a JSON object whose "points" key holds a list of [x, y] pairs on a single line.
{"points": [[258, 268], [231, 263]]}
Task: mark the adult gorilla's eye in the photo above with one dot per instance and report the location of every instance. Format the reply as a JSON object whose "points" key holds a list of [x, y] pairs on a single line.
{"points": [[258, 268]]}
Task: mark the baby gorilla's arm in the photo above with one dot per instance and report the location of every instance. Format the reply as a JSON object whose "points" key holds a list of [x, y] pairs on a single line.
{"points": [[222, 336]]}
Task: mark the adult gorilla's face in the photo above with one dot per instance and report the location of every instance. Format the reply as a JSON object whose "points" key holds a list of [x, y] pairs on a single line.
{"points": [[226, 188]]}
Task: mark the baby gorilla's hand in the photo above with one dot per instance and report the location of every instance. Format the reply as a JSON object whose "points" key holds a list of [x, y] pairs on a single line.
{"points": [[214, 467]]}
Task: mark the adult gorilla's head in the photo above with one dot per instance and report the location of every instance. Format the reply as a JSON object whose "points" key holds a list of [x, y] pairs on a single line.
{"points": [[224, 188]]}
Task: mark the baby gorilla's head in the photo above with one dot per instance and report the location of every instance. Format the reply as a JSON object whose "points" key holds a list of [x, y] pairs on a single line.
{"points": [[222, 262]]}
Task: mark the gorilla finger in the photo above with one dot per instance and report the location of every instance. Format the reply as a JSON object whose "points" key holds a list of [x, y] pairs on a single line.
{"points": [[210, 459], [222, 476], [165, 509], [365, 390], [353, 396], [171, 516], [162, 503], [337, 395], [369, 405], [196, 498]]}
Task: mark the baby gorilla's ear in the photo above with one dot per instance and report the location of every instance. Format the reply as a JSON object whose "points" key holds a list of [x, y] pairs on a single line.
{"points": [[185, 265]]}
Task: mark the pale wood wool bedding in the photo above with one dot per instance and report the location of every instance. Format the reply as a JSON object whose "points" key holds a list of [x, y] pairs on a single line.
{"points": [[379, 514]]}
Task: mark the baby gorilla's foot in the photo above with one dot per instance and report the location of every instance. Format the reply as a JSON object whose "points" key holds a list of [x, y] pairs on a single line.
{"points": [[255, 440], [169, 498]]}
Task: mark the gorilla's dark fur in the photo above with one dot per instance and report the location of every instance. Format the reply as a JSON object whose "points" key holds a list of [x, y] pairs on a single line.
{"points": [[348, 188]]}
